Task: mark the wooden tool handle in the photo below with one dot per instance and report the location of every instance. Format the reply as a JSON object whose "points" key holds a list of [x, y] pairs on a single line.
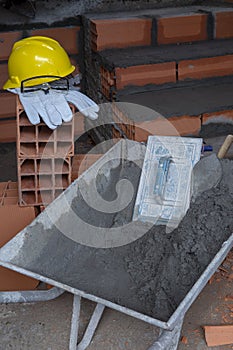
{"points": [[225, 146]]}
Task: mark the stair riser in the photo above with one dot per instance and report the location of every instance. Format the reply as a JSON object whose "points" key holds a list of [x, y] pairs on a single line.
{"points": [[113, 82], [160, 30]]}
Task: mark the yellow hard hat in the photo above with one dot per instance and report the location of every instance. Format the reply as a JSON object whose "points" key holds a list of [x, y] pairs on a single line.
{"points": [[38, 57]]}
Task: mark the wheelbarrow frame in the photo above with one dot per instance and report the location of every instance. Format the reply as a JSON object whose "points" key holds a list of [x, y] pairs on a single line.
{"points": [[170, 330]]}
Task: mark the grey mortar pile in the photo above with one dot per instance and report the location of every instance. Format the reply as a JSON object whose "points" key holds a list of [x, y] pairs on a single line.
{"points": [[162, 266], [154, 273]]}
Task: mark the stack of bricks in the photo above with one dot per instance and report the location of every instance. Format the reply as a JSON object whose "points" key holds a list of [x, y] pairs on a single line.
{"points": [[175, 61], [8, 193], [43, 159], [164, 27], [124, 127], [82, 162], [13, 219]]}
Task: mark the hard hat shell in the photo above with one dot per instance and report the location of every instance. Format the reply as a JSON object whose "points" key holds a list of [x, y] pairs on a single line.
{"points": [[37, 56]]}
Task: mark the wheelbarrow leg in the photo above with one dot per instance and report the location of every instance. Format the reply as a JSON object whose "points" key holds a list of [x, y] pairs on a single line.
{"points": [[90, 331], [168, 340], [75, 322]]}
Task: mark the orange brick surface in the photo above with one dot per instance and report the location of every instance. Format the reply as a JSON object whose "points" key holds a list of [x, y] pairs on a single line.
{"points": [[66, 36], [181, 29], [7, 40], [118, 33], [7, 105], [218, 117], [219, 335], [107, 79], [13, 220], [8, 131], [8, 193], [175, 126], [224, 25], [78, 124], [81, 162], [148, 74], [75, 62], [206, 67], [3, 74]]}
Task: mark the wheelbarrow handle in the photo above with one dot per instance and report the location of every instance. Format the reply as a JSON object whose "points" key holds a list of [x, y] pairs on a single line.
{"points": [[225, 146]]}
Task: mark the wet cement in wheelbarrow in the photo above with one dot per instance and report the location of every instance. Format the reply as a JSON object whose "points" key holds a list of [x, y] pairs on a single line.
{"points": [[153, 274]]}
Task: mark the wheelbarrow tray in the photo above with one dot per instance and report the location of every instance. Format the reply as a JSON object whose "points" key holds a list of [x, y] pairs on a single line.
{"points": [[45, 252]]}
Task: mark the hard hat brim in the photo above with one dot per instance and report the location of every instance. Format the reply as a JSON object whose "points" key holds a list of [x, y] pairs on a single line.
{"points": [[11, 85]]}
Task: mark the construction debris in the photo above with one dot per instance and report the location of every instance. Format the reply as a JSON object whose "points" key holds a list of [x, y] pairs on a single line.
{"points": [[13, 219], [219, 335]]}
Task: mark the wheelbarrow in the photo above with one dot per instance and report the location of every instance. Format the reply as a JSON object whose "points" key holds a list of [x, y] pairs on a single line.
{"points": [[68, 246]]}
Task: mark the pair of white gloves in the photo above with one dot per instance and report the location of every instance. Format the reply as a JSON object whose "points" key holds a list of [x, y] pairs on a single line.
{"points": [[53, 106]]}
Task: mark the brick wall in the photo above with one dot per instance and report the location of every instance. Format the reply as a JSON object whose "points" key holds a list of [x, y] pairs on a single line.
{"points": [[92, 34]]}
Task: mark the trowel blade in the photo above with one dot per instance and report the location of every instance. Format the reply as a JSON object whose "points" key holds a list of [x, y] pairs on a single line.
{"points": [[206, 174]]}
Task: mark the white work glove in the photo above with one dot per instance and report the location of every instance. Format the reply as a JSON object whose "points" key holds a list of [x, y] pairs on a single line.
{"points": [[83, 103], [56, 106], [33, 108], [51, 107]]}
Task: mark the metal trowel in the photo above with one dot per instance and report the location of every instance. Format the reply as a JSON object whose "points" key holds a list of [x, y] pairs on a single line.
{"points": [[206, 174]]}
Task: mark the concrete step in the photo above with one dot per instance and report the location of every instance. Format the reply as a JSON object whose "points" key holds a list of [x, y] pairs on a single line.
{"points": [[194, 100], [189, 110], [139, 68], [182, 110]]}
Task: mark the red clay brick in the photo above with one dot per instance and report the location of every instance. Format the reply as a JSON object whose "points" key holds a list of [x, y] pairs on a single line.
{"points": [[11, 193], [10, 201], [219, 335], [218, 117], [7, 105], [7, 40], [74, 61], [224, 25], [175, 126], [79, 128], [8, 131], [81, 162], [107, 83], [120, 32], [3, 187], [13, 220], [206, 67], [66, 36], [181, 29], [3, 74], [12, 185], [148, 74]]}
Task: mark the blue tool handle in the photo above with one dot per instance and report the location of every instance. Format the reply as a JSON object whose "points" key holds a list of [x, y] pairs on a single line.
{"points": [[207, 148]]}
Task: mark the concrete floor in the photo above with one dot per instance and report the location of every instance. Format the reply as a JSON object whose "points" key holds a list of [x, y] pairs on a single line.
{"points": [[46, 325]]}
